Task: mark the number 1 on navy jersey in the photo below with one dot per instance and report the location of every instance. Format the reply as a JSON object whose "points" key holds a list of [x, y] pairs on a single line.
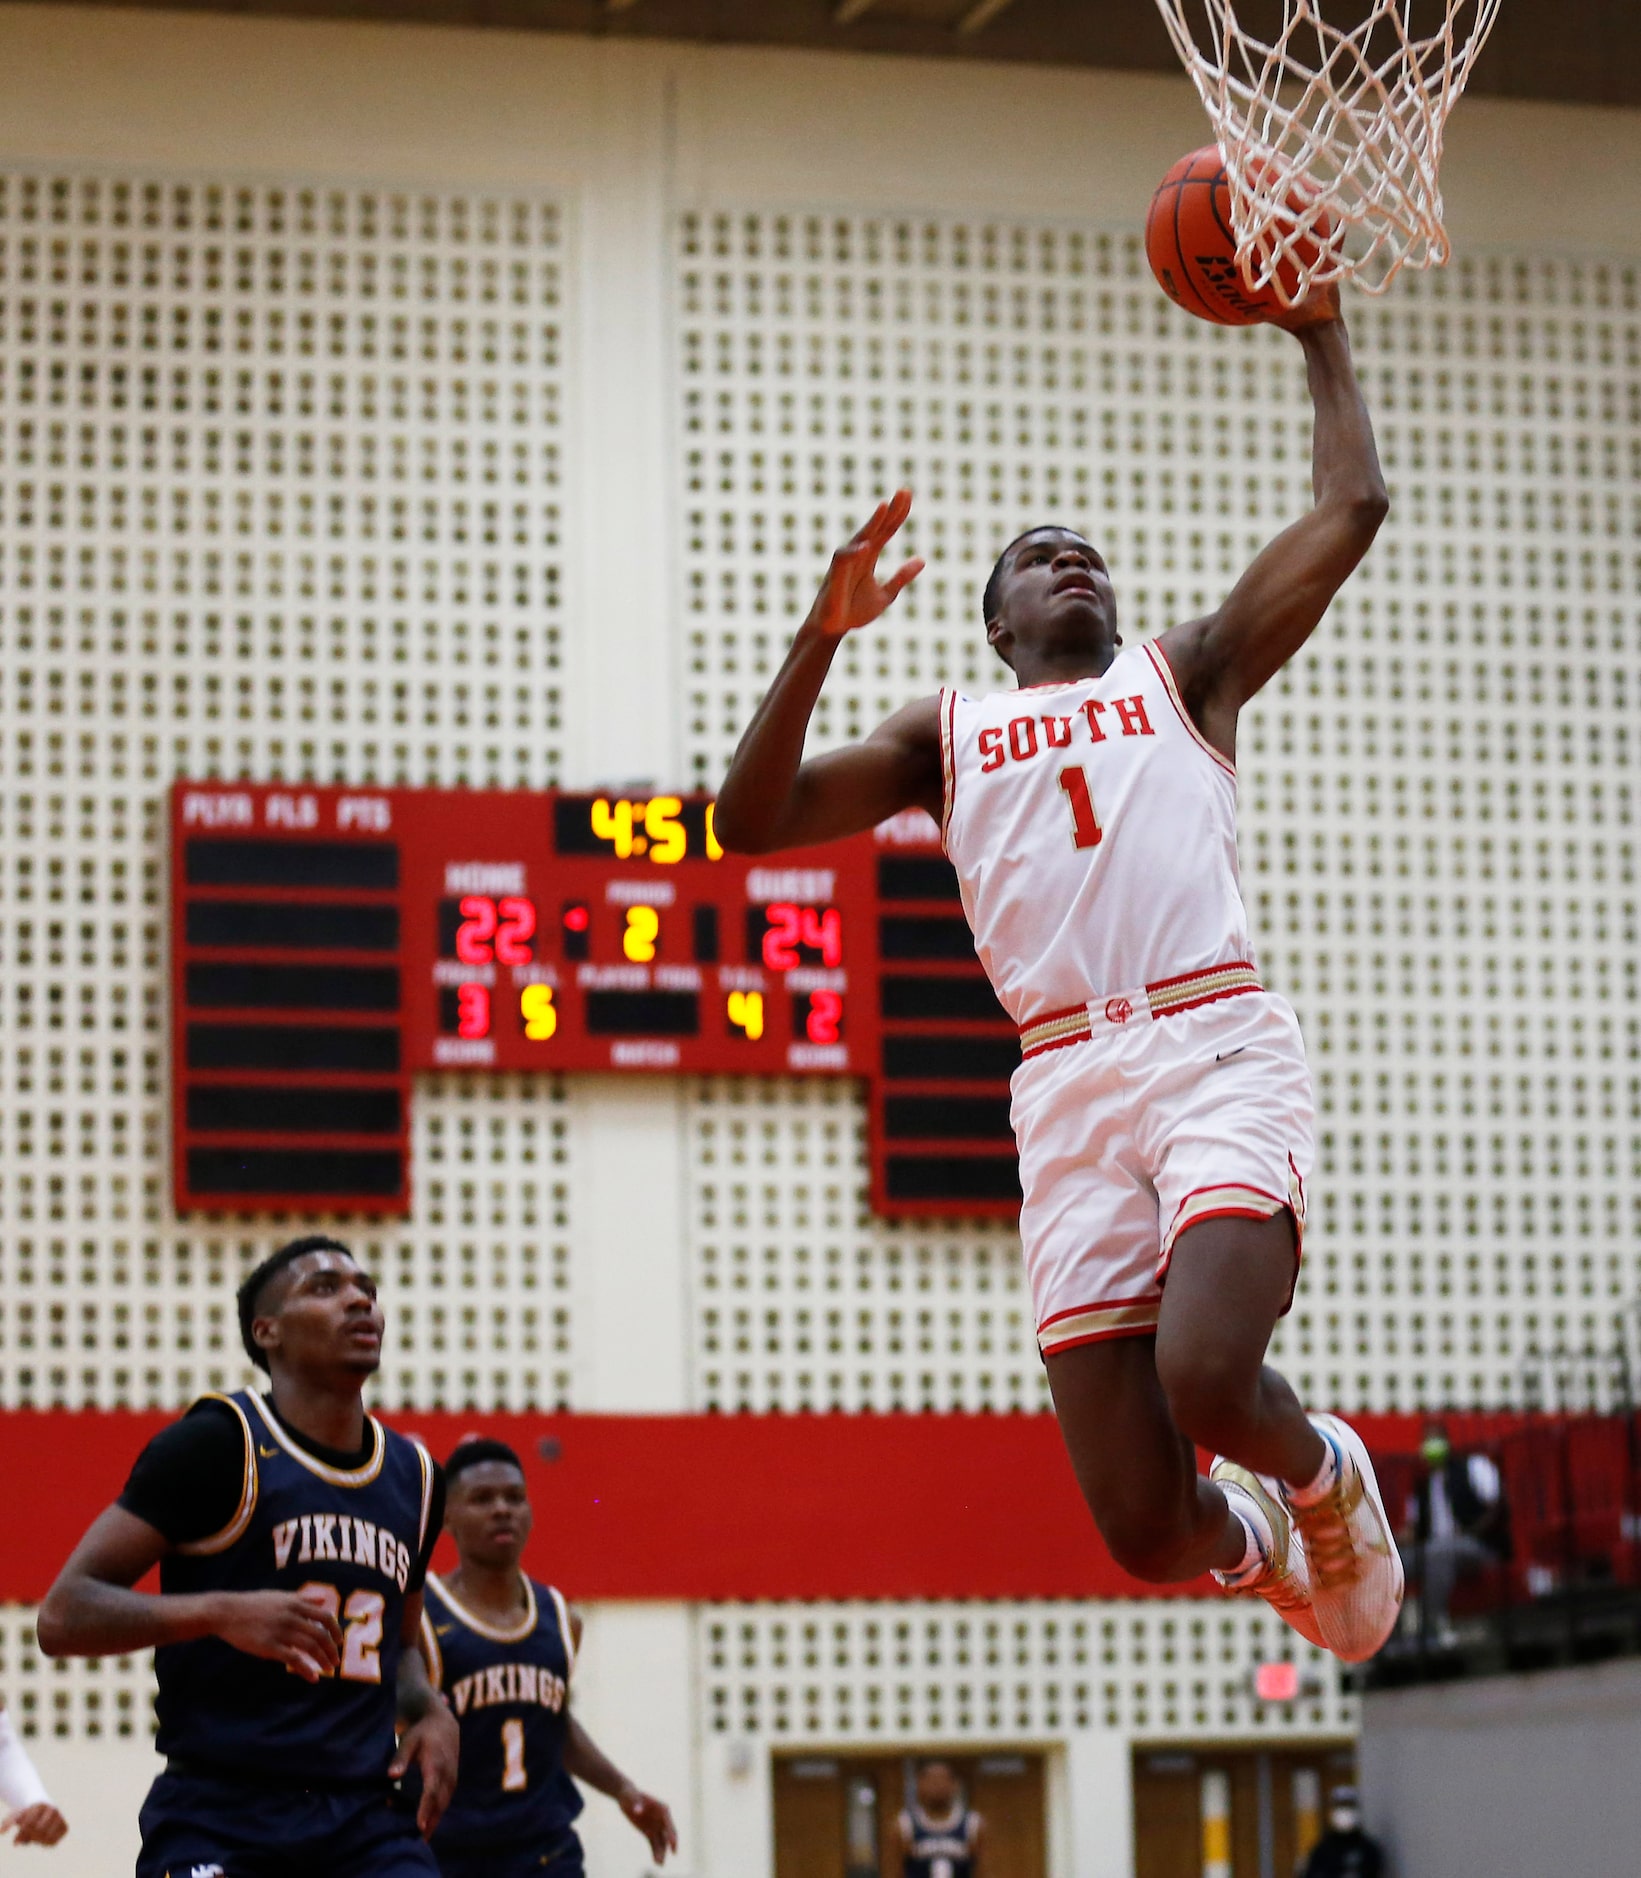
{"points": [[513, 1777], [1086, 831]]}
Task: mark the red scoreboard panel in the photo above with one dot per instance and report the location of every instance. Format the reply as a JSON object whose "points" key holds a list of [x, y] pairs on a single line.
{"points": [[328, 943]]}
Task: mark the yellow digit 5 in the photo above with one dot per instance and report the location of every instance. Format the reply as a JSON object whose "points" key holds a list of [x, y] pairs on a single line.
{"points": [[539, 1012], [668, 840], [514, 1779]]}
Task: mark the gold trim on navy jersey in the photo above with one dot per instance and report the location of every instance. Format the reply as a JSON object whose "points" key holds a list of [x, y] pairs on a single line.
{"points": [[430, 1646], [429, 1474], [495, 1633], [336, 1476], [565, 1629], [220, 1541]]}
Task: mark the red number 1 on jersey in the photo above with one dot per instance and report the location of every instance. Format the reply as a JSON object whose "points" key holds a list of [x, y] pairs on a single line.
{"points": [[1086, 831]]}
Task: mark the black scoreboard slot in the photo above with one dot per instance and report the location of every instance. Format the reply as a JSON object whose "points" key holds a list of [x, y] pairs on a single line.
{"points": [[968, 999], [346, 864], [643, 1013], [945, 1058], [954, 1178], [949, 1050], [293, 1092], [306, 1175], [704, 932], [354, 1049], [292, 987], [900, 937], [946, 1118], [229, 1109], [916, 877], [293, 925]]}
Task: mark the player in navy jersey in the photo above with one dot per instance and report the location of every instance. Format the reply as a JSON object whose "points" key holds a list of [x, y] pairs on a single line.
{"points": [[502, 1649], [939, 1835], [292, 1533]]}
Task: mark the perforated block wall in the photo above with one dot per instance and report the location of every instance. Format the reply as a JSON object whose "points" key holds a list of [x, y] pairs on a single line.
{"points": [[859, 1673], [280, 473]]}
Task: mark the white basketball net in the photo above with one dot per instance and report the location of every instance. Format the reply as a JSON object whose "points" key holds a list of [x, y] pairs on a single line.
{"points": [[1357, 111]]}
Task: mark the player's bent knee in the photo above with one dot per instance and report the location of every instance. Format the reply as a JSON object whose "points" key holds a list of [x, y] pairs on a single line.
{"points": [[1144, 1548], [1212, 1399]]}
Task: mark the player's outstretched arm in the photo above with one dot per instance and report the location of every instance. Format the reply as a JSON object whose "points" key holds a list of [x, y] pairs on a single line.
{"points": [[92, 1609], [1221, 661], [584, 1760], [771, 798], [25, 1806]]}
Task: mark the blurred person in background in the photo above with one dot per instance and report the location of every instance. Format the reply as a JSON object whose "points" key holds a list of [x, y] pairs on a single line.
{"points": [[1345, 1850], [939, 1834], [26, 1810], [1461, 1526]]}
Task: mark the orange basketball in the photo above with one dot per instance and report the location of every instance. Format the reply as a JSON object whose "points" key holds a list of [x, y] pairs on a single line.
{"points": [[1191, 245]]}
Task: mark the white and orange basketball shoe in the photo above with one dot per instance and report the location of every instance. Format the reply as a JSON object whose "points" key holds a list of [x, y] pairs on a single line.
{"points": [[1284, 1583], [1356, 1578]]}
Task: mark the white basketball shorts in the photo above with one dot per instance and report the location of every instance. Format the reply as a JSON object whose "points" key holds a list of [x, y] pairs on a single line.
{"points": [[1134, 1126]]}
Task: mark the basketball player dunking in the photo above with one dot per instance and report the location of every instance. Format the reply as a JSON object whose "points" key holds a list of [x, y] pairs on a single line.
{"points": [[292, 1533], [1163, 1105]]}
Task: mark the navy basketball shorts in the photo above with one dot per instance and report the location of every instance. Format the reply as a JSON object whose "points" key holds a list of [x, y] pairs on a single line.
{"points": [[561, 1858], [201, 1826]]}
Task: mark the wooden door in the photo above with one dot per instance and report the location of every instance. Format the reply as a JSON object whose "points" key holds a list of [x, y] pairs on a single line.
{"points": [[1006, 1790], [809, 1818], [1277, 1798], [1167, 1815]]}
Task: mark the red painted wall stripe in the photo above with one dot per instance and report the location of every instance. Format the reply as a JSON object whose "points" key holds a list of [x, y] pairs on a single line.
{"points": [[697, 1506]]}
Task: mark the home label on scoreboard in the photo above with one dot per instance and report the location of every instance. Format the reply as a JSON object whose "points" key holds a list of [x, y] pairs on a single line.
{"points": [[331, 943]]}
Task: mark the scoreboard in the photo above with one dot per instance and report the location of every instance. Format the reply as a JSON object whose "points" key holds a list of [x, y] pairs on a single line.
{"points": [[331, 943]]}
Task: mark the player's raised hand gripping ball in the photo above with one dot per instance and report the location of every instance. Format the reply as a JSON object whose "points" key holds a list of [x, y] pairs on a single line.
{"points": [[1191, 246], [852, 596]]}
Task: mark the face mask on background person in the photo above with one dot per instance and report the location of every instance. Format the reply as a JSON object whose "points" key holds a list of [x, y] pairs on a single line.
{"points": [[1344, 1814]]}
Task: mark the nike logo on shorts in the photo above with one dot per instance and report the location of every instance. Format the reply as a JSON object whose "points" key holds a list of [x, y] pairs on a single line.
{"points": [[1225, 1055]]}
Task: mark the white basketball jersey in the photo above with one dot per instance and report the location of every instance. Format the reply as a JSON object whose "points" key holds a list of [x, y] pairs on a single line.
{"points": [[1093, 829]]}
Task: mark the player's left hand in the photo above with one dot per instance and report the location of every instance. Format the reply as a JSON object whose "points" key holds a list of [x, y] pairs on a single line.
{"points": [[35, 1825], [433, 1744], [652, 1818]]}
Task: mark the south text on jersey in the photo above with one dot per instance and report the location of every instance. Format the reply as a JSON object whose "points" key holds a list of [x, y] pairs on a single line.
{"points": [[1037, 732]]}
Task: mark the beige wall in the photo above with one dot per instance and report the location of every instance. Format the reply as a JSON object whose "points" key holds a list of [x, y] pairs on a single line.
{"points": [[626, 134], [269, 97]]}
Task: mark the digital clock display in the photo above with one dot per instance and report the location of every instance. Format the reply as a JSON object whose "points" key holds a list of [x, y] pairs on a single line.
{"points": [[331, 943]]}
